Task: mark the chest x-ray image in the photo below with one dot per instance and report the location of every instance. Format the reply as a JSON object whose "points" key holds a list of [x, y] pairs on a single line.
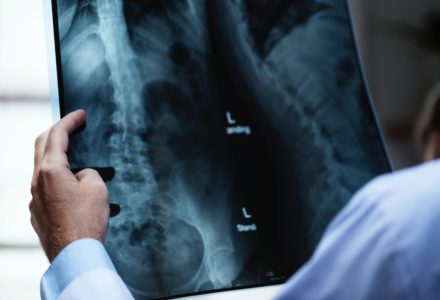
{"points": [[236, 130]]}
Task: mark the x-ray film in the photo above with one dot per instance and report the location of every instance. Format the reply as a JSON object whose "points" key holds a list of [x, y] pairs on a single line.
{"points": [[230, 132]]}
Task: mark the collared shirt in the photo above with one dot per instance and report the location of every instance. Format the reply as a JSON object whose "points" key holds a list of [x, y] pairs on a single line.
{"points": [[383, 245], [83, 270]]}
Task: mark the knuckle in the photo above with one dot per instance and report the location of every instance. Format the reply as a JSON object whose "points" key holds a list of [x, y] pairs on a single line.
{"points": [[38, 140], [85, 172], [47, 168], [32, 206], [34, 187], [54, 130], [92, 175], [34, 223], [99, 188], [91, 172], [50, 135]]}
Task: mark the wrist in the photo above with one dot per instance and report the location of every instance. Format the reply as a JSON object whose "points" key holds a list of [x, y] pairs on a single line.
{"points": [[61, 240], [74, 260]]}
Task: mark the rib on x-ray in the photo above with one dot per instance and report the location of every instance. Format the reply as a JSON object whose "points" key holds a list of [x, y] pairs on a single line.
{"points": [[237, 129]]}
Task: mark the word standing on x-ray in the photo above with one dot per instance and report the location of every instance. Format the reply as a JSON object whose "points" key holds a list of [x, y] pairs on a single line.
{"points": [[233, 128]]}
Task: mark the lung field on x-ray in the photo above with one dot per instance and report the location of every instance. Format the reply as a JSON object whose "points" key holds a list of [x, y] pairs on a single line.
{"points": [[237, 130]]}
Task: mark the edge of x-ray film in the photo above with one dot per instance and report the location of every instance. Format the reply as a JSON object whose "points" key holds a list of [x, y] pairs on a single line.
{"points": [[237, 247]]}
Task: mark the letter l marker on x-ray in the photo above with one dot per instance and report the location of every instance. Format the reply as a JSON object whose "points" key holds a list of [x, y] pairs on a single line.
{"points": [[229, 118], [245, 213]]}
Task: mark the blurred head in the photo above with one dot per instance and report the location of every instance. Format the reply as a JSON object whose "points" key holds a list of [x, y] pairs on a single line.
{"points": [[428, 129]]}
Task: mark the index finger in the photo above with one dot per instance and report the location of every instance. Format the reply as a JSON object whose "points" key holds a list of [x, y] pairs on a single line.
{"points": [[58, 139]]}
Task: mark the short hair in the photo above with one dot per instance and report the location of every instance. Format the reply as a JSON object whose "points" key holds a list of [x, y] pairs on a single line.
{"points": [[429, 120]]}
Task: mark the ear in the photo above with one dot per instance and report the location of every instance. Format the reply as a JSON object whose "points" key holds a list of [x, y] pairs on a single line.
{"points": [[432, 148]]}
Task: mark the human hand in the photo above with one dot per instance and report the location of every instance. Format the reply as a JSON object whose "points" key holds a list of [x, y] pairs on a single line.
{"points": [[65, 207]]}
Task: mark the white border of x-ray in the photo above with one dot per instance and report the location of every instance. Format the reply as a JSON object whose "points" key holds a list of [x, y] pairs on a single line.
{"points": [[363, 75], [51, 59]]}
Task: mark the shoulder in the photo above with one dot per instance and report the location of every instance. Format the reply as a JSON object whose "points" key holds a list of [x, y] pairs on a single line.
{"points": [[394, 180], [404, 195], [394, 199], [382, 245], [408, 203]]}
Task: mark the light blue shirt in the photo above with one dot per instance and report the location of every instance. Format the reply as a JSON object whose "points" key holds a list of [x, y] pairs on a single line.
{"points": [[83, 270], [384, 245]]}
